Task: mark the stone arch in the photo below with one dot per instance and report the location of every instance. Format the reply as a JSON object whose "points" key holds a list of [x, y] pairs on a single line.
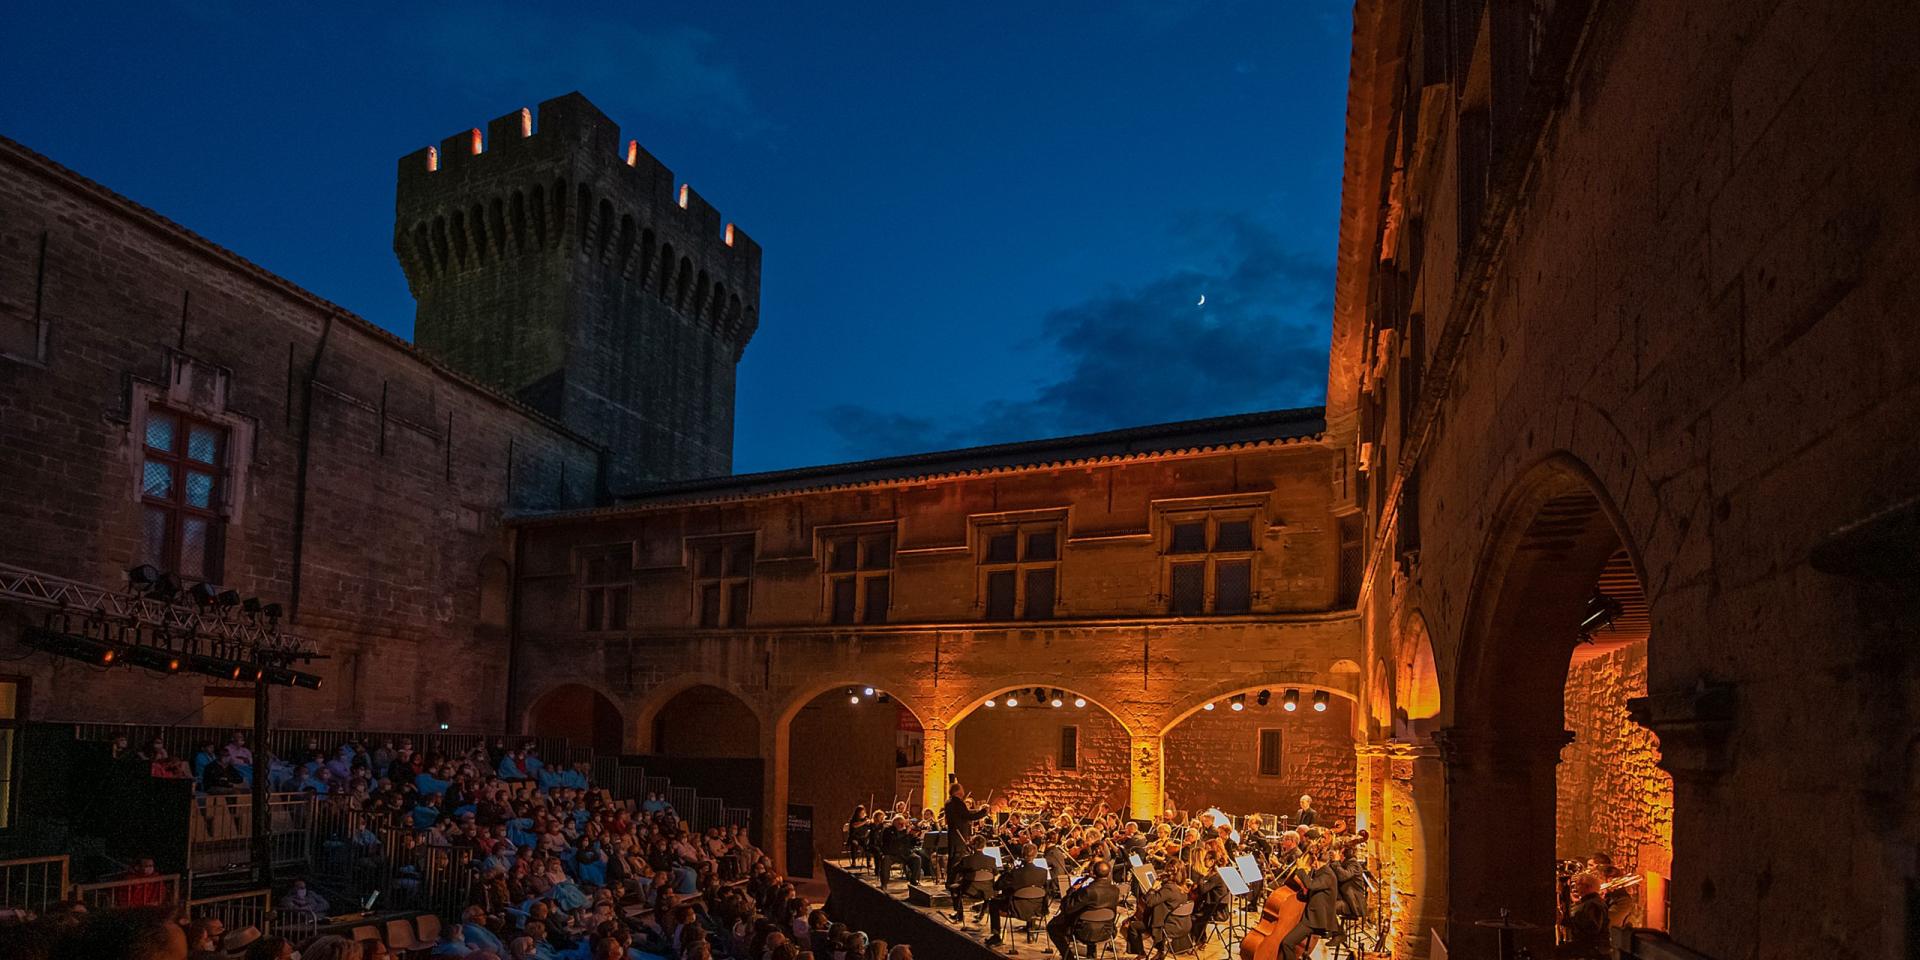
{"points": [[1416, 676], [1025, 754], [1553, 536], [864, 764], [584, 714], [1220, 757], [648, 712]]}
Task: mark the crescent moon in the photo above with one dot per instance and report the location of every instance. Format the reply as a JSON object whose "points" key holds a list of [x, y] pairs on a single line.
{"points": [[1203, 301]]}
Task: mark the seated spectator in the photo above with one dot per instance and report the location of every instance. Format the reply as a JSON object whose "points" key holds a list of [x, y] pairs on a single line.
{"points": [[221, 776], [237, 749], [301, 899]]}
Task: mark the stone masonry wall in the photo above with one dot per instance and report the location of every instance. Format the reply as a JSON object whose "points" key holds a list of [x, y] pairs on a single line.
{"points": [[408, 468], [1612, 794], [1014, 754], [1213, 760], [843, 756]]}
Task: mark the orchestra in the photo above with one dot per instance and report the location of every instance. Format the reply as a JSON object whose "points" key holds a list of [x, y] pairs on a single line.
{"points": [[1092, 859], [1297, 883]]}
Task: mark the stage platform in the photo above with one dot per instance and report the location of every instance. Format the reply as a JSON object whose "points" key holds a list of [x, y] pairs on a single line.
{"points": [[855, 898]]}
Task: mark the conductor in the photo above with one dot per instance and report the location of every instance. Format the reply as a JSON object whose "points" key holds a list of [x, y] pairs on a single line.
{"points": [[960, 813]]}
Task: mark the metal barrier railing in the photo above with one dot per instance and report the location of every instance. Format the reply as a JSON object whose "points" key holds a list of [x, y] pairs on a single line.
{"points": [[251, 908], [154, 891], [220, 831], [682, 799], [708, 812], [33, 883], [737, 817], [658, 785]]}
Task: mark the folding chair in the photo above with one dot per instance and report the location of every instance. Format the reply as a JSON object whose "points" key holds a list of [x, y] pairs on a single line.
{"points": [[1095, 930]]}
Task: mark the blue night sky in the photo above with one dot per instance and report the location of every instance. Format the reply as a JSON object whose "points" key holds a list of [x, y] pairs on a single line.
{"points": [[982, 222]]}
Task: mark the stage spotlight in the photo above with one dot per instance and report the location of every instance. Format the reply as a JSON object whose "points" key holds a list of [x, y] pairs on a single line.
{"points": [[883, 698], [1079, 701], [993, 703], [216, 667], [1012, 702], [228, 599], [164, 589], [1265, 695], [154, 658], [1292, 701], [853, 696], [143, 576], [312, 682], [1209, 705], [1238, 702], [1602, 610], [70, 645], [250, 606], [1055, 701], [1320, 698], [203, 594], [272, 610], [866, 691]]}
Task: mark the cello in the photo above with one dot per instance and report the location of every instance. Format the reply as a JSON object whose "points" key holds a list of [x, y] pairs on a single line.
{"points": [[1279, 914]]}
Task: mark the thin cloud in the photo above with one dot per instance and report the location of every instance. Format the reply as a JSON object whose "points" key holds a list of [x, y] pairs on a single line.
{"points": [[1151, 353]]}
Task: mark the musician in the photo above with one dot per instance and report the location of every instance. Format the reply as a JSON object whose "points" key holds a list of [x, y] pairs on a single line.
{"points": [[1314, 876], [900, 843], [1585, 927], [1620, 899], [1020, 874], [962, 880], [1152, 909], [1305, 817], [960, 813], [857, 833], [1350, 876], [1211, 899], [1093, 892]]}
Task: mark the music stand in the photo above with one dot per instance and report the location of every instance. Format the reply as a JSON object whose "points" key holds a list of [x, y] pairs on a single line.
{"points": [[993, 852]]}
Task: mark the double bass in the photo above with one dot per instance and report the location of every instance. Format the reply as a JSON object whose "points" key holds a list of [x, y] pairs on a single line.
{"points": [[1279, 914]]}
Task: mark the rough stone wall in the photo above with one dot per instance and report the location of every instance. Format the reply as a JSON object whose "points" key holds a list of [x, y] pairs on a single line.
{"points": [[1212, 759], [408, 468], [706, 722], [1014, 754], [1698, 298], [843, 756], [1613, 796]]}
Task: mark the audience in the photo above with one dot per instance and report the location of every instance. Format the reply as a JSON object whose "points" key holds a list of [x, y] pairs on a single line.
{"points": [[559, 870]]}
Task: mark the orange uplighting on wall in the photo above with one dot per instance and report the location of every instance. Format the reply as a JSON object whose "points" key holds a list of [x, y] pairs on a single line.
{"points": [[729, 234], [478, 144], [683, 196], [526, 122], [433, 159], [633, 153]]}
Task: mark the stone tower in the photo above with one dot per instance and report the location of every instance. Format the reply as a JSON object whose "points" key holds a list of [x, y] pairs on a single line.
{"points": [[553, 262]]}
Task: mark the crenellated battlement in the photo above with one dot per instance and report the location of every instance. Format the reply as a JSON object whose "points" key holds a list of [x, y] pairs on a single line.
{"points": [[563, 181], [556, 259]]}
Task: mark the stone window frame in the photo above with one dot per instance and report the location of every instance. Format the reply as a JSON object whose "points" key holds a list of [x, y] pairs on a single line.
{"points": [[606, 589], [726, 579], [1212, 556], [198, 390], [1279, 752], [180, 466], [1061, 757], [986, 529], [862, 575]]}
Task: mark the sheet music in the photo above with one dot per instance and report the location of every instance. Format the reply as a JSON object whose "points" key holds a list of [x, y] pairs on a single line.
{"points": [[1134, 859], [993, 852], [1249, 868], [1236, 884]]}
